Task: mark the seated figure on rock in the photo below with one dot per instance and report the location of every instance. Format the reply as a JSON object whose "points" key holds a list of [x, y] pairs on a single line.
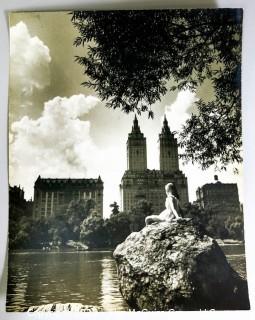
{"points": [[172, 211]]}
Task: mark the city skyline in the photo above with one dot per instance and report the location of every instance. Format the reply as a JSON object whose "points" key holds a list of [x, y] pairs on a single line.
{"points": [[192, 198]]}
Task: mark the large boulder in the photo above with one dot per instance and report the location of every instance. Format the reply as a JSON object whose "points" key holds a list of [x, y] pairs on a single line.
{"points": [[176, 266]]}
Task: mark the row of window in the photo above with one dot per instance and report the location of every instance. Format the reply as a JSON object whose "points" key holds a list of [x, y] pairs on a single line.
{"points": [[74, 195]]}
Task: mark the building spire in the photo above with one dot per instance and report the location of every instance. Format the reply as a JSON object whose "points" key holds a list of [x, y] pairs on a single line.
{"points": [[165, 128], [136, 128]]}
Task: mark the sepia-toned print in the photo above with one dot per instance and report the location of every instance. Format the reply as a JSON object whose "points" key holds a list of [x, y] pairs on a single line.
{"points": [[125, 161]]}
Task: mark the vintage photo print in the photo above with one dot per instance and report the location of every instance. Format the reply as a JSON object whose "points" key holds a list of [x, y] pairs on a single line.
{"points": [[125, 161]]}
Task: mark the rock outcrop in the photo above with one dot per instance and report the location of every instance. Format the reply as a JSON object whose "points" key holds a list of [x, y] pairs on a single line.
{"points": [[63, 307], [177, 266]]}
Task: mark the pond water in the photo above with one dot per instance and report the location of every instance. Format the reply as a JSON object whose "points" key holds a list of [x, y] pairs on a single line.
{"points": [[90, 278]]}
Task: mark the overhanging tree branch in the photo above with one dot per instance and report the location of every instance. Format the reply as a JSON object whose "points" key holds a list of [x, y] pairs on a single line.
{"points": [[132, 55]]}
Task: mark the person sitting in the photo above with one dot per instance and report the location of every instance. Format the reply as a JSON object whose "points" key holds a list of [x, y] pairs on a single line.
{"points": [[173, 209]]}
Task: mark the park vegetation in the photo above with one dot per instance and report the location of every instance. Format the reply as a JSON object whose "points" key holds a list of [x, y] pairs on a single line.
{"points": [[81, 223]]}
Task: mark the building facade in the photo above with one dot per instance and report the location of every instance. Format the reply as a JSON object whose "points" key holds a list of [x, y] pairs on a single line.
{"points": [[52, 196], [140, 183], [219, 197]]}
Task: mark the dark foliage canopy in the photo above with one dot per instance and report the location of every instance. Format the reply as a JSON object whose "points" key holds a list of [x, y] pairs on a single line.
{"points": [[132, 55]]}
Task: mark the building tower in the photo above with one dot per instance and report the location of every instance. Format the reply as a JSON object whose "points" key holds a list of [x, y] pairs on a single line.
{"points": [[136, 149], [168, 156], [139, 183]]}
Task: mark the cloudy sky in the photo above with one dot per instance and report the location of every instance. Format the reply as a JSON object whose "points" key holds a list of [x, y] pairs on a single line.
{"points": [[60, 129]]}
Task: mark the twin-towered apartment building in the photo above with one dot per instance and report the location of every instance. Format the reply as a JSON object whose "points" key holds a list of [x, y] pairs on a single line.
{"points": [[140, 183]]}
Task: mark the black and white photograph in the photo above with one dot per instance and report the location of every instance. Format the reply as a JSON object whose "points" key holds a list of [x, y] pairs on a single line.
{"points": [[125, 161]]}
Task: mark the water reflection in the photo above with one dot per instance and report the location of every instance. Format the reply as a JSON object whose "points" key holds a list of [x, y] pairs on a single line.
{"points": [[235, 255], [63, 277], [17, 287], [111, 298]]}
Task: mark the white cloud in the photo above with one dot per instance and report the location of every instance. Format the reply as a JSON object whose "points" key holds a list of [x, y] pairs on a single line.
{"points": [[29, 61], [179, 111], [58, 144]]}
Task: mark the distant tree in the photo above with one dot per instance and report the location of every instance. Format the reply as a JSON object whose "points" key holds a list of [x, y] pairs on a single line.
{"points": [[118, 228], [212, 222], [19, 233], [196, 214], [93, 232], [138, 213], [59, 230], [26, 233], [77, 211], [216, 227], [40, 232], [13, 230], [115, 208], [132, 55], [235, 227]]}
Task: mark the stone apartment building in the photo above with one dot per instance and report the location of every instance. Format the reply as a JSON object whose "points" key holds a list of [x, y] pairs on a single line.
{"points": [[52, 196], [219, 197]]}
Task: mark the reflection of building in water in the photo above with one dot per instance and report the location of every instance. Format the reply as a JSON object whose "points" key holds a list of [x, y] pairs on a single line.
{"points": [[219, 197], [52, 196], [110, 294], [139, 183]]}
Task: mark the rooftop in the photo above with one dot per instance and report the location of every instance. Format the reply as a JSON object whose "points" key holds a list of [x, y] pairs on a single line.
{"points": [[68, 181]]}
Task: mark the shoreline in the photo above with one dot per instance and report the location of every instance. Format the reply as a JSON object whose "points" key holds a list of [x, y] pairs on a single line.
{"points": [[67, 249]]}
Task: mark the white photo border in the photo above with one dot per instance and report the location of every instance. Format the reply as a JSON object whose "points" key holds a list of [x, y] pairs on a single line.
{"points": [[248, 115]]}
